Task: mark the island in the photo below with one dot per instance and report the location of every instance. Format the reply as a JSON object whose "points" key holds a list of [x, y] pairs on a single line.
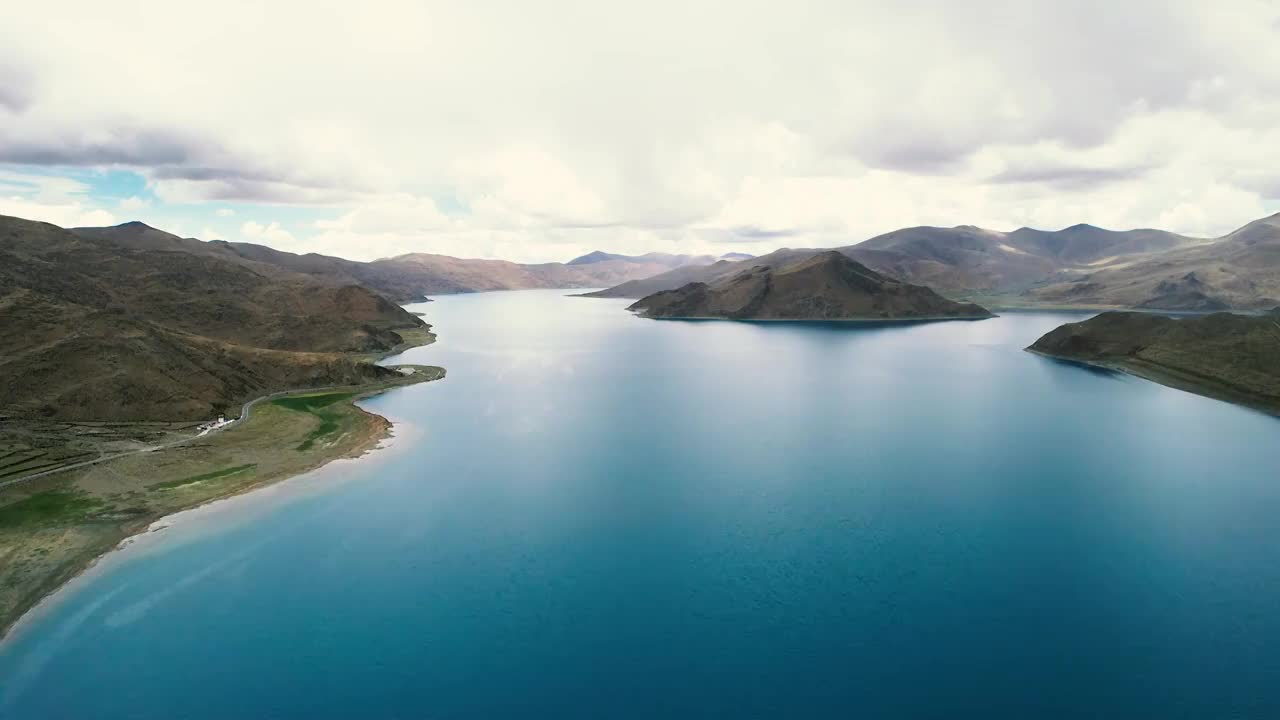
{"points": [[825, 286], [1225, 356]]}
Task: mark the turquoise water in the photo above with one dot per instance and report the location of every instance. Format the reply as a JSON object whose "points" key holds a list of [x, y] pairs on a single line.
{"points": [[597, 515]]}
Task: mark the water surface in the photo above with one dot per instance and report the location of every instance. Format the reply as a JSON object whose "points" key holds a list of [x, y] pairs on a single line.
{"points": [[597, 515]]}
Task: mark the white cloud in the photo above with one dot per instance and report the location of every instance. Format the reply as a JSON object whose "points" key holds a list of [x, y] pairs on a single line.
{"points": [[52, 199], [661, 125], [225, 212], [134, 203], [271, 233]]}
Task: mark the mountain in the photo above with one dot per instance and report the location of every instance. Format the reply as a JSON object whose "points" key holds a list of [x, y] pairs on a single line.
{"points": [[1240, 270], [968, 260], [411, 277], [680, 276], [595, 257], [1223, 355], [148, 326], [962, 261], [825, 286], [656, 258]]}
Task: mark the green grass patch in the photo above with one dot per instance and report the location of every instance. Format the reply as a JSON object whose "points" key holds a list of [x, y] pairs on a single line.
{"points": [[52, 506], [224, 472], [322, 407]]}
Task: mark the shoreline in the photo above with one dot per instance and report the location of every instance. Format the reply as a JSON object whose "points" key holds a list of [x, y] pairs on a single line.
{"points": [[1170, 378], [99, 538], [136, 541]]}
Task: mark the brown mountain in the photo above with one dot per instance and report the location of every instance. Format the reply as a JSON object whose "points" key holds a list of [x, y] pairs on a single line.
{"points": [[149, 326], [825, 286], [1223, 355], [1240, 270], [962, 261]]}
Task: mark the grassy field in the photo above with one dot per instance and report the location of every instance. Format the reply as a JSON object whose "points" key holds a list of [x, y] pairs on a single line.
{"points": [[48, 507], [53, 527], [321, 406]]}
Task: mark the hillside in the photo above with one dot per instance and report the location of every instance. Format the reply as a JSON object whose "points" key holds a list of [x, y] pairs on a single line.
{"points": [[149, 326], [1240, 270], [1223, 355], [825, 286]]}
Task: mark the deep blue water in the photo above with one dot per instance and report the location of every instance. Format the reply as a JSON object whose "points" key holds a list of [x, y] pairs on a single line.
{"points": [[597, 515]]}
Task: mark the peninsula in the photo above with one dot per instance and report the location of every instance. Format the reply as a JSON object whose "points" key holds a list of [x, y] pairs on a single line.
{"points": [[1224, 356]]}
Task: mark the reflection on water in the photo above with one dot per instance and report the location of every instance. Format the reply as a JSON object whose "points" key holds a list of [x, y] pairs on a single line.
{"points": [[600, 515]]}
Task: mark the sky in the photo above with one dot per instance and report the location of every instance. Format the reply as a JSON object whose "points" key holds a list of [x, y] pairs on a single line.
{"points": [[537, 131]]}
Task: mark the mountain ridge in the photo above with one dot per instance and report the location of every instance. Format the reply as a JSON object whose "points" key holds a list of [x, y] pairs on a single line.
{"points": [[411, 277]]}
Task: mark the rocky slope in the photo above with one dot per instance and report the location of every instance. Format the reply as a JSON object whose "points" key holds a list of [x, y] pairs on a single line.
{"points": [[825, 286], [1223, 355], [1240, 270], [149, 326]]}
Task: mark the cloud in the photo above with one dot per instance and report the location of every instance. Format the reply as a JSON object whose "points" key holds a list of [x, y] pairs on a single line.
{"points": [[271, 233], [427, 126], [16, 87], [141, 147], [1068, 176], [134, 203], [52, 199]]}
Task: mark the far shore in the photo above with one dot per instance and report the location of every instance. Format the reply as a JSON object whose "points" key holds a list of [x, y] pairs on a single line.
{"points": [[55, 527]]}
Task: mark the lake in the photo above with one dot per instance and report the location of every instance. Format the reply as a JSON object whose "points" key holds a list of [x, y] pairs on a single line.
{"points": [[596, 515]]}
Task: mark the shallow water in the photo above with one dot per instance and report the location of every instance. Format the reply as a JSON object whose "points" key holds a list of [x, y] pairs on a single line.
{"points": [[596, 515]]}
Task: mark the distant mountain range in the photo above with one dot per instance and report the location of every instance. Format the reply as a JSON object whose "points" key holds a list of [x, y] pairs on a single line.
{"points": [[665, 259], [1082, 266], [825, 286], [411, 277]]}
